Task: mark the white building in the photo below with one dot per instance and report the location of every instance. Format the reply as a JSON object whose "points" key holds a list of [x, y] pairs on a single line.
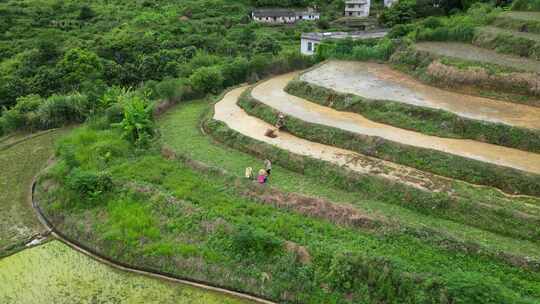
{"points": [[283, 15], [357, 8], [310, 41], [388, 3]]}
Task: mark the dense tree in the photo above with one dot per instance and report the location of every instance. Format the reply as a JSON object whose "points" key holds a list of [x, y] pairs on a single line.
{"points": [[78, 66], [207, 79]]}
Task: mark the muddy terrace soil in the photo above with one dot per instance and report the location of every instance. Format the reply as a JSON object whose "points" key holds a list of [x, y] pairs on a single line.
{"points": [[230, 113], [473, 53], [271, 93], [378, 81]]}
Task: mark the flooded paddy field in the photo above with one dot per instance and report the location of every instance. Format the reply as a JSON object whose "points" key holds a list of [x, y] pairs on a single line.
{"points": [[55, 273], [380, 82], [20, 162], [271, 93]]}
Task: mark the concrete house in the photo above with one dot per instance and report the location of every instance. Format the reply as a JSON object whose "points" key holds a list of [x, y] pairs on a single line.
{"points": [[283, 15], [310, 41], [357, 8], [388, 3]]}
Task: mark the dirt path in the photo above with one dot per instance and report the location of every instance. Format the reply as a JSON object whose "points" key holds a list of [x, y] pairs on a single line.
{"points": [[272, 94], [230, 113], [473, 53], [378, 81]]}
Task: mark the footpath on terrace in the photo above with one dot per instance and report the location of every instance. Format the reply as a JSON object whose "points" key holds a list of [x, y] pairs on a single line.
{"points": [[271, 93]]}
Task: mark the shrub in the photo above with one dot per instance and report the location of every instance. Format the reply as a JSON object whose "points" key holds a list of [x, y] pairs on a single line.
{"points": [[60, 110], [22, 115], [89, 183], [350, 271], [171, 89], [137, 125], [235, 71], [94, 148], [111, 96], [207, 80], [470, 287], [114, 113], [252, 241], [347, 49], [526, 5]]}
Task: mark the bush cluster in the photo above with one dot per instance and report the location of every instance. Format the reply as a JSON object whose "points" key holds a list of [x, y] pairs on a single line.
{"points": [[35, 113], [89, 183], [348, 49], [526, 5]]}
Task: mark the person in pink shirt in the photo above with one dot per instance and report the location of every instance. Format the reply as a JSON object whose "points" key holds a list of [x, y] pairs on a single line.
{"points": [[262, 178]]}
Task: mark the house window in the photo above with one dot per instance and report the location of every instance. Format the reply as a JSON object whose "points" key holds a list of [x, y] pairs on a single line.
{"points": [[310, 47]]}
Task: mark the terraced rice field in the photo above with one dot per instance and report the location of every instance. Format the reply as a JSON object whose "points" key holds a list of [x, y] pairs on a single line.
{"points": [[380, 82], [472, 53], [229, 112], [272, 93], [55, 273], [20, 163], [180, 130]]}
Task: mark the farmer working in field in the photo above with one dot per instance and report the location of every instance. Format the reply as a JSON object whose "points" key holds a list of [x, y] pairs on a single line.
{"points": [[267, 166]]}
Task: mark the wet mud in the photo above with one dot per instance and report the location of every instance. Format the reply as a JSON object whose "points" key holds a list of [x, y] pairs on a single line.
{"points": [[237, 119], [378, 81], [271, 93]]}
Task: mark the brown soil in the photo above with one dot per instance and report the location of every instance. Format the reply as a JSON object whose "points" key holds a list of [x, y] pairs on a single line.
{"points": [[380, 82], [271, 93], [473, 53], [230, 113]]}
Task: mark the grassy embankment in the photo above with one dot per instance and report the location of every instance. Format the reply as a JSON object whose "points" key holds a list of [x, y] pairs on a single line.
{"points": [[163, 214], [473, 171], [55, 273], [502, 40], [20, 161], [421, 119], [518, 21], [370, 196]]}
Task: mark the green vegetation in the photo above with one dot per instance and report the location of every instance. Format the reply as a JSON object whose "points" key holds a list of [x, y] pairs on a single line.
{"points": [[63, 58], [408, 11], [510, 42], [21, 159], [421, 119], [519, 21], [473, 171], [171, 199], [166, 215], [55, 273], [348, 49], [526, 5]]}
